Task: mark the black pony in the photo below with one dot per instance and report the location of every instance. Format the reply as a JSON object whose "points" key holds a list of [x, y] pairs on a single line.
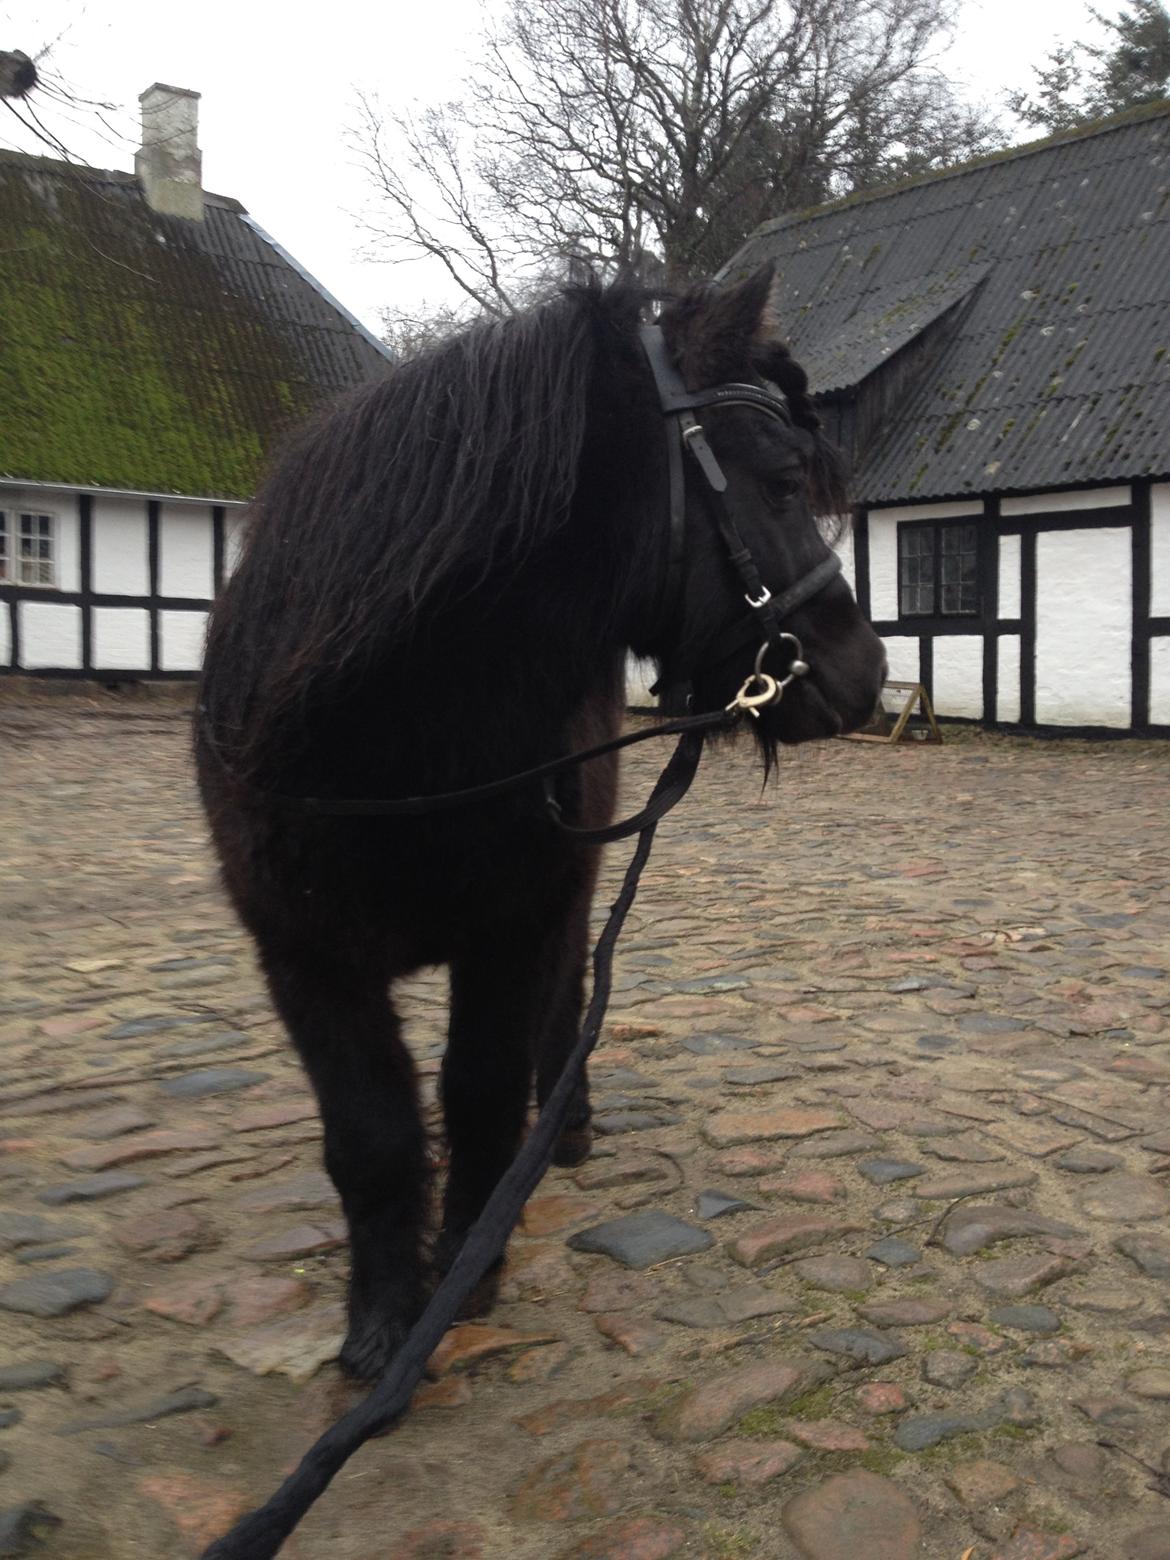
{"points": [[440, 586]]}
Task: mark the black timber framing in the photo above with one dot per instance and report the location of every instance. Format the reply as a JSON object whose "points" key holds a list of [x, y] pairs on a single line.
{"points": [[1140, 707], [217, 548], [1106, 516], [85, 597], [153, 512], [861, 560], [988, 565], [1134, 515], [1028, 527], [85, 551]]}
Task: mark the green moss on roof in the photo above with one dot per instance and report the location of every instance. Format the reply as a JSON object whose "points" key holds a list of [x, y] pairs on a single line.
{"points": [[144, 352]]}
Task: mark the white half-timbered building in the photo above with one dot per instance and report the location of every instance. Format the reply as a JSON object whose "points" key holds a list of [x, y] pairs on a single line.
{"points": [[992, 346], [155, 343]]}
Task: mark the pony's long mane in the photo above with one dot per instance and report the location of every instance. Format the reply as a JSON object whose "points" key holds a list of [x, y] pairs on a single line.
{"points": [[413, 493], [402, 499]]}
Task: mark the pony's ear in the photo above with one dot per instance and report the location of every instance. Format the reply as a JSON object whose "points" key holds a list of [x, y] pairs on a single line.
{"points": [[746, 313], [715, 331]]}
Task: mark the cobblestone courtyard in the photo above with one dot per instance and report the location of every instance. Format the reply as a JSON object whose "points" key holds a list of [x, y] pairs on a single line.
{"points": [[893, 1041]]}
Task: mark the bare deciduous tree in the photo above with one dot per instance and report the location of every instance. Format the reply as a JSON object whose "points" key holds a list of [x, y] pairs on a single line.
{"points": [[656, 134]]}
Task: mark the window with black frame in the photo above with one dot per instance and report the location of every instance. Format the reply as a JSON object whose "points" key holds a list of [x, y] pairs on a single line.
{"points": [[938, 569]]}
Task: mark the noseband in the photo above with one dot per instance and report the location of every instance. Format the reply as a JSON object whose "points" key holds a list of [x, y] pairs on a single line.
{"points": [[768, 611]]}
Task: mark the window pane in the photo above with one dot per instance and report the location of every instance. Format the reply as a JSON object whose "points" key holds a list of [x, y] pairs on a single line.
{"points": [[916, 570], [31, 559], [919, 570], [959, 586]]}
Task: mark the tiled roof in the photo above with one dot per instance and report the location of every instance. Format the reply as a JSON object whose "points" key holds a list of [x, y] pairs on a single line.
{"points": [[151, 353], [1054, 369]]}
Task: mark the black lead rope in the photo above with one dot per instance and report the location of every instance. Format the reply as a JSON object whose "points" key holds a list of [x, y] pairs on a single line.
{"points": [[259, 1535]]}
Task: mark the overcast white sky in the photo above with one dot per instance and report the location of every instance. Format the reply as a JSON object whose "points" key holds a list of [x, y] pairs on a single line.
{"points": [[279, 83]]}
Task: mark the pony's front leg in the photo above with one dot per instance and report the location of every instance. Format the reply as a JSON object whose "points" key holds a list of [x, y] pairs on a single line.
{"points": [[495, 1000], [558, 1032], [341, 1020]]}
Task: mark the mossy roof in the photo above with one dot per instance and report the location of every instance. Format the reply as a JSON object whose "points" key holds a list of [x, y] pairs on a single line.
{"points": [[1044, 274], [153, 353]]}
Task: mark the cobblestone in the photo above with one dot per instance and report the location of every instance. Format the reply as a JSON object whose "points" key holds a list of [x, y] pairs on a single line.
{"points": [[940, 968]]}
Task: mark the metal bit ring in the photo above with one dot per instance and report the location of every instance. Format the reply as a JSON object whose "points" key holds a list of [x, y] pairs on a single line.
{"points": [[799, 666]]}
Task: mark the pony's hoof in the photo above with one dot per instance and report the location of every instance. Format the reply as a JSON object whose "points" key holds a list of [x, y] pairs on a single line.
{"points": [[573, 1146], [368, 1349], [482, 1298]]}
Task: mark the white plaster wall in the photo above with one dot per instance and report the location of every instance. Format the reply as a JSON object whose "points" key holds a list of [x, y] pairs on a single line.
{"points": [[1160, 550], [233, 540], [1160, 681], [639, 676], [902, 654], [5, 635], [883, 567], [1084, 614], [121, 639], [961, 509], [68, 536], [1009, 576], [185, 551], [843, 547], [120, 564], [958, 675], [1060, 503], [1007, 702], [50, 634], [180, 640]]}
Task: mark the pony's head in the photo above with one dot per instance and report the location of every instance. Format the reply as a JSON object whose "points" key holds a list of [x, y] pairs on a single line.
{"points": [[784, 496]]}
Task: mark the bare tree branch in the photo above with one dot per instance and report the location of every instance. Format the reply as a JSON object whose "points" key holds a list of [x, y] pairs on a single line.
{"points": [[655, 135]]}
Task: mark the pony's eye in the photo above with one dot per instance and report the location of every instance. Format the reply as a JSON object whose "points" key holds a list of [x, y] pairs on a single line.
{"points": [[780, 488]]}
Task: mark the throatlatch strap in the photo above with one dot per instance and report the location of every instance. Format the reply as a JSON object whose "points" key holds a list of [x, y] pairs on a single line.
{"points": [[260, 1534]]}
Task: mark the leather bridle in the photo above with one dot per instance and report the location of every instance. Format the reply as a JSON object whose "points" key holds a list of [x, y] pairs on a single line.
{"points": [[767, 611]]}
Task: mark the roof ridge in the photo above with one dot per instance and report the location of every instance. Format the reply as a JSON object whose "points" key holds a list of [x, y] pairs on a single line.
{"points": [[85, 172], [1084, 132]]}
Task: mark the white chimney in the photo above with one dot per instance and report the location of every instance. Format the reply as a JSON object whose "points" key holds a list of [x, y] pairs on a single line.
{"points": [[169, 163]]}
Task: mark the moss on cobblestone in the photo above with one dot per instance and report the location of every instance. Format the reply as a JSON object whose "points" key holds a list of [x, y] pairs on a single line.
{"points": [[881, 1459], [771, 1418], [728, 1543]]}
